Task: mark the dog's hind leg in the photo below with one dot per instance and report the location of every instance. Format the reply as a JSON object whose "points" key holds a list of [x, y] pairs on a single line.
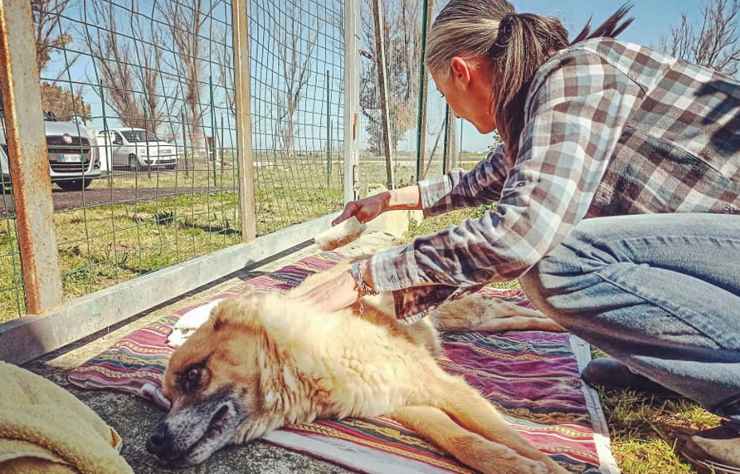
{"points": [[478, 313], [474, 413], [467, 447]]}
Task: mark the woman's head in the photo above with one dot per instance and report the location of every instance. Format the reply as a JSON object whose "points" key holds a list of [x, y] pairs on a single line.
{"points": [[483, 55]]}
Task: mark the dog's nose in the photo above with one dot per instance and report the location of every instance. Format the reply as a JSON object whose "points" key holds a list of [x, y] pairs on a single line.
{"points": [[159, 442]]}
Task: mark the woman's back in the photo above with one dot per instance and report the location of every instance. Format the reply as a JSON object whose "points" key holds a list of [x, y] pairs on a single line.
{"points": [[678, 146]]}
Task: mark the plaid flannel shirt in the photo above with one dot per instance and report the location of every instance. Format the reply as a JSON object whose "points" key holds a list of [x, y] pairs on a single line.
{"points": [[610, 128]]}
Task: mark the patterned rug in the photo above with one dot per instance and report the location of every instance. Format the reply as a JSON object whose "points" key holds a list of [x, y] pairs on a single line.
{"points": [[531, 375]]}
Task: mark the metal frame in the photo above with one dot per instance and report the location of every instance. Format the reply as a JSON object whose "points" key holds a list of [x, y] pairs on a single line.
{"points": [[28, 160], [247, 203], [380, 65], [351, 99], [421, 124], [29, 338], [51, 324]]}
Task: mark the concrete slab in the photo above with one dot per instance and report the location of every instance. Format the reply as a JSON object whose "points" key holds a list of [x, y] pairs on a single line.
{"points": [[135, 418]]}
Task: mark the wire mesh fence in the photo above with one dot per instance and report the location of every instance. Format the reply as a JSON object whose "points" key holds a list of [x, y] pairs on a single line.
{"points": [[139, 115], [402, 38], [297, 112]]}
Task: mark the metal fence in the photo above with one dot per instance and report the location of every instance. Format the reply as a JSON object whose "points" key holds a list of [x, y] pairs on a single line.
{"points": [[139, 108], [400, 48]]}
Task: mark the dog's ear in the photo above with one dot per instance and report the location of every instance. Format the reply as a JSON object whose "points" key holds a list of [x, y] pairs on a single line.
{"points": [[240, 311]]}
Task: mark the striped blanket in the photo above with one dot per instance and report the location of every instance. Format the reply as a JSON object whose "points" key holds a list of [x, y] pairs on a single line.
{"points": [[532, 376]]}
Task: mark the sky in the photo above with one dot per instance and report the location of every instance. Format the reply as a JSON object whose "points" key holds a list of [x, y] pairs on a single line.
{"points": [[653, 20]]}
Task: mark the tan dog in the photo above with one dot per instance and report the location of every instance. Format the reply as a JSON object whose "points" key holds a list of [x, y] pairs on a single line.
{"points": [[264, 361]]}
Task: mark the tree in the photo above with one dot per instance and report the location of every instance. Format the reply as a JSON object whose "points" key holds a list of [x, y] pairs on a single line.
{"points": [[185, 21], [62, 103], [712, 42], [132, 90], [47, 15], [402, 39], [49, 39], [295, 74]]}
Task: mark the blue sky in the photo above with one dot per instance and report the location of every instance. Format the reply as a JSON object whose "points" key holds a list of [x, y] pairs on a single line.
{"points": [[653, 20]]}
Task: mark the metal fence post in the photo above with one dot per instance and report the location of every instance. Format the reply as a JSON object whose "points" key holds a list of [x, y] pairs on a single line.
{"points": [[242, 96], [380, 65], [29, 162], [351, 99], [421, 123], [451, 160]]}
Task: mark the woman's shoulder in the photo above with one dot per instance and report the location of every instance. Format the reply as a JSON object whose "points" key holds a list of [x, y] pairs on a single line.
{"points": [[629, 58], [585, 60]]}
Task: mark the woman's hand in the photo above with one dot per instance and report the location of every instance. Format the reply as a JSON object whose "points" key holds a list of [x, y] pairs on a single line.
{"points": [[365, 209], [369, 208], [333, 294]]}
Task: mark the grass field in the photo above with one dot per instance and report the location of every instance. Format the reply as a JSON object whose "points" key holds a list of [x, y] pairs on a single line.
{"points": [[643, 428], [102, 244]]}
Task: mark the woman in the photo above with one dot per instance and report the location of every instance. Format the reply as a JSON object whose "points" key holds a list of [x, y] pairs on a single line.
{"points": [[617, 199]]}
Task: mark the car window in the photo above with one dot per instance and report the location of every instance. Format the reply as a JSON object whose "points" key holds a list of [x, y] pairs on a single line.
{"points": [[117, 138], [134, 136]]}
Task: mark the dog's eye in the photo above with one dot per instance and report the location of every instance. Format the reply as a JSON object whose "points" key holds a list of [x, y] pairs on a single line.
{"points": [[193, 376], [191, 379]]}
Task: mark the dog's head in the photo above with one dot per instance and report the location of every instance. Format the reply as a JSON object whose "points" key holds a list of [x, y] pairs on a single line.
{"points": [[215, 384]]}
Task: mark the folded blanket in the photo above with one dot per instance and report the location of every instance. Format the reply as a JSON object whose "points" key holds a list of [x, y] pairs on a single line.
{"points": [[45, 429]]}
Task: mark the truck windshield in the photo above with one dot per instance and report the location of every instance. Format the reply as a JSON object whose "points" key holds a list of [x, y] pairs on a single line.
{"points": [[139, 136]]}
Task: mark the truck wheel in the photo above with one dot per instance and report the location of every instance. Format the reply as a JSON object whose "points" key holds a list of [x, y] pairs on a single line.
{"points": [[74, 184], [133, 163]]}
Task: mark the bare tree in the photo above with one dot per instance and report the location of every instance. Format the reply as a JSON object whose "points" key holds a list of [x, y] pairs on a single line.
{"points": [[129, 72], [47, 16], [50, 38], [712, 42], [149, 54], [403, 50], [295, 73], [186, 23], [225, 59]]}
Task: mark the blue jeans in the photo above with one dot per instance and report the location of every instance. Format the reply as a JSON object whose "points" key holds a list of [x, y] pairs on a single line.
{"points": [[658, 292]]}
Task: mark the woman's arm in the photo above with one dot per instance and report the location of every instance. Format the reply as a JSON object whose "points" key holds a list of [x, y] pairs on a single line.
{"points": [[459, 189], [369, 208], [434, 196], [575, 120], [404, 199]]}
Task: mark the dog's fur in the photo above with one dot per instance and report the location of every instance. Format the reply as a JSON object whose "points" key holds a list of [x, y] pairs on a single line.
{"points": [[264, 361]]}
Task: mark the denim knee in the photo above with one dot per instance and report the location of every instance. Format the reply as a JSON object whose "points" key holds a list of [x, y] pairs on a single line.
{"points": [[566, 269], [534, 287]]}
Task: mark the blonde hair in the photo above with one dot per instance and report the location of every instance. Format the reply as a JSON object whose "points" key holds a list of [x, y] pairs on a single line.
{"points": [[515, 44]]}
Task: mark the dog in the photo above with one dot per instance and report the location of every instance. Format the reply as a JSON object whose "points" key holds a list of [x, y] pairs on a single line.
{"points": [[263, 361]]}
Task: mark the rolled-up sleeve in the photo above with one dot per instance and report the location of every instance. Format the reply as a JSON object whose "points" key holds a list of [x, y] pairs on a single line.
{"points": [[575, 116]]}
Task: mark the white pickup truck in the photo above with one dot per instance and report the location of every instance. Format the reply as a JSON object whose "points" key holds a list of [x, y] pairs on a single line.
{"points": [[135, 148]]}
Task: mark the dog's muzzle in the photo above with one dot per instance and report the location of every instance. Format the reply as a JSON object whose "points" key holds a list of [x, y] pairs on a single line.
{"points": [[161, 445]]}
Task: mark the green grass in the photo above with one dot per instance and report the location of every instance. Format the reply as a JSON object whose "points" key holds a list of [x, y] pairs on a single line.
{"points": [[102, 245], [643, 428]]}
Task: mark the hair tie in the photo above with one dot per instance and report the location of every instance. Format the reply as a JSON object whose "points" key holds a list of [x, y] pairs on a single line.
{"points": [[505, 27]]}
